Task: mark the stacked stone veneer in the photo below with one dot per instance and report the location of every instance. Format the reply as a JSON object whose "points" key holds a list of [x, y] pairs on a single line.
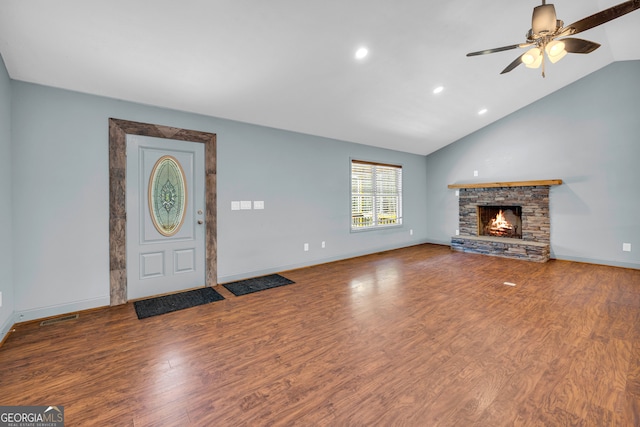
{"points": [[536, 225]]}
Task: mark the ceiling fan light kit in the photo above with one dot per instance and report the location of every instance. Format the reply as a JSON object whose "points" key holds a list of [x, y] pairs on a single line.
{"points": [[546, 31], [555, 50], [532, 58]]}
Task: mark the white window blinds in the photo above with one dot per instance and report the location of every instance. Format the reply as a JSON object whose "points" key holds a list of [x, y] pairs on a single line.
{"points": [[376, 195]]}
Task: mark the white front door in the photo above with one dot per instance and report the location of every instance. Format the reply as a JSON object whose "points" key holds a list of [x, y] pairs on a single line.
{"points": [[165, 216]]}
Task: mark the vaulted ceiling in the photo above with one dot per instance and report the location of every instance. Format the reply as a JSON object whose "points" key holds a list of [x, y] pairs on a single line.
{"points": [[290, 64]]}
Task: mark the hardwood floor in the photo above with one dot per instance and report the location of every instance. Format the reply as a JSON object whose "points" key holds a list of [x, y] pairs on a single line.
{"points": [[420, 336]]}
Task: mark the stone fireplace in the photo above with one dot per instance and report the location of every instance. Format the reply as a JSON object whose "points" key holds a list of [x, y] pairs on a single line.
{"points": [[507, 219]]}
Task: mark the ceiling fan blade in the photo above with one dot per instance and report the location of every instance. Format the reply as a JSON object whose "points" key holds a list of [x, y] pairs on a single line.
{"points": [[574, 45], [513, 65], [604, 16], [496, 49]]}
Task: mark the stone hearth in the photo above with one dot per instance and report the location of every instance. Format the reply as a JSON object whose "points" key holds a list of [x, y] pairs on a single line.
{"points": [[532, 196]]}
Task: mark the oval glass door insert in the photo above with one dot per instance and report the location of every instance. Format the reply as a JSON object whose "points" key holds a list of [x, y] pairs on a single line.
{"points": [[167, 195]]}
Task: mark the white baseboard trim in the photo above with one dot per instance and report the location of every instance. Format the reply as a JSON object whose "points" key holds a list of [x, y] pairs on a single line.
{"points": [[56, 310], [439, 242], [6, 327], [610, 263], [288, 267]]}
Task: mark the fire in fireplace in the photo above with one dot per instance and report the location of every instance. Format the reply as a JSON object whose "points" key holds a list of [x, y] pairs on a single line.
{"points": [[500, 221]]}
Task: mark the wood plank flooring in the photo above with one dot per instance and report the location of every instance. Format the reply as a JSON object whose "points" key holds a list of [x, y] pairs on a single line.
{"points": [[420, 336]]}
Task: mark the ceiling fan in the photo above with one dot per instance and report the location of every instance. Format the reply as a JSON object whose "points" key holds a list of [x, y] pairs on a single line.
{"points": [[548, 34]]}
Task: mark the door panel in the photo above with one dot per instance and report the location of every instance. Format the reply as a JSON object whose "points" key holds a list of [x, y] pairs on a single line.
{"points": [[165, 250], [151, 265], [185, 261]]}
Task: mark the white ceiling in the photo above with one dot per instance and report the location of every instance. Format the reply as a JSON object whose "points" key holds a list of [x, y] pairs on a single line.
{"points": [[290, 64]]}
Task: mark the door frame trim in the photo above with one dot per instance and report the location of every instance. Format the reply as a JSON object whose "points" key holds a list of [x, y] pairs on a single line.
{"points": [[118, 131]]}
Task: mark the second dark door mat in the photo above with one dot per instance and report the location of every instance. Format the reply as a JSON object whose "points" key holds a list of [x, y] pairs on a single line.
{"points": [[243, 287]]}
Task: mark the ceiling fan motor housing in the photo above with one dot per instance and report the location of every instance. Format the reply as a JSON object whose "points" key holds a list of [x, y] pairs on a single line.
{"points": [[544, 20]]}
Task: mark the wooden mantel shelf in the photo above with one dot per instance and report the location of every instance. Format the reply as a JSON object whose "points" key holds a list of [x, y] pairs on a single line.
{"points": [[508, 184]]}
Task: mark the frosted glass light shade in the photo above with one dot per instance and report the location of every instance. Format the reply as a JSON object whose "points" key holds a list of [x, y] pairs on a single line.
{"points": [[532, 58], [555, 50]]}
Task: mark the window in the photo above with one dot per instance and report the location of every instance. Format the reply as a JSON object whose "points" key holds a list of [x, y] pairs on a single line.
{"points": [[376, 195]]}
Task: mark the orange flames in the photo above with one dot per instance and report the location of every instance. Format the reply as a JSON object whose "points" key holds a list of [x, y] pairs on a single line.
{"points": [[500, 224]]}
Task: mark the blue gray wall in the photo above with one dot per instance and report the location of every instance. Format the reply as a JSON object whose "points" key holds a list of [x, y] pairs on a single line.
{"points": [[61, 195], [54, 168], [6, 251], [588, 135]]}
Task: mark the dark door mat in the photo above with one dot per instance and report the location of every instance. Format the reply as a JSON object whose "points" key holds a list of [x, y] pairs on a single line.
{"points": [[168, 303], [248, 286]]}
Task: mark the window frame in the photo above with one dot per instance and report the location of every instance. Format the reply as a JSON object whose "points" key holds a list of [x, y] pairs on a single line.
{"points": [[376, 195]]}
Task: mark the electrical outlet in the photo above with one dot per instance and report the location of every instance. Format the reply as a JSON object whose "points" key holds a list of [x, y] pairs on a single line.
{"points": [[457, 232], [626, 247], [0, 299], [475, 173], [306, 247], [323, 244], [411, 232], [458, 193]]}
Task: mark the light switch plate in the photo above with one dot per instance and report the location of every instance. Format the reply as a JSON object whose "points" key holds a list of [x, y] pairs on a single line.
{"points": [[235, 206], [245, 205], [626, 247], [258, 204]]}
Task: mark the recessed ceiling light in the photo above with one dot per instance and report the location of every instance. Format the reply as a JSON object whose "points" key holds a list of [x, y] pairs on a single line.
{"points": [[438, 89], [361, 53], [481, 112]]}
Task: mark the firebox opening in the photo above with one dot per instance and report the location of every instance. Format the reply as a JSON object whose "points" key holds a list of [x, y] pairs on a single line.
{"points": [[500, 221]]}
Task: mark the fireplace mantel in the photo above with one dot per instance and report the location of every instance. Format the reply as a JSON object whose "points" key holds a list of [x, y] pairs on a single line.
{"points": [[508, 184]]}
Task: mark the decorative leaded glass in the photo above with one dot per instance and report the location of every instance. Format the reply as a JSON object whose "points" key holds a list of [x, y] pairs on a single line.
{"points": [[167, 195]]}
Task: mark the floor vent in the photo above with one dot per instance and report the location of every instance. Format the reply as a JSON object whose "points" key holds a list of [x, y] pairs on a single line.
{"points": [[59, 319]]}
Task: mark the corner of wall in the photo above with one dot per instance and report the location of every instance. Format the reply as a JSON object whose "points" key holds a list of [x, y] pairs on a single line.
{"points": [[6, 328], [7, 310]]}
